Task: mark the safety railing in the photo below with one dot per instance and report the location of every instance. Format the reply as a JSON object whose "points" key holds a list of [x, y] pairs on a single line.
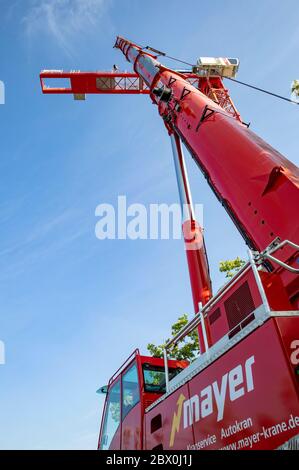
{"points": [[201, 316], [124, 364], [278, 245]]}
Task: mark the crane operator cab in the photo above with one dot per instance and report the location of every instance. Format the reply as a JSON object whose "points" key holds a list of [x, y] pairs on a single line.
{"points": [[135, 386], [216, 66]]}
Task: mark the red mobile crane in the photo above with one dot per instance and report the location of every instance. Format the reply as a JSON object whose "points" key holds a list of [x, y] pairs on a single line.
{"points": [[242, 391]]}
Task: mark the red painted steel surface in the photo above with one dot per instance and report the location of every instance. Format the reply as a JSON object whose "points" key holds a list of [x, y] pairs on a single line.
{"points": [[247, 399], [171, 415], [259, 189], [193, 236], [221, 326], [198, 267], [129, 433], [278, 297], [290, 340], [131, 427], [238, 163], [255, 183], [94, 82]]}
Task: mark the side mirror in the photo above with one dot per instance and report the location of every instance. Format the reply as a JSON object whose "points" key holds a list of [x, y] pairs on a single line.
{"points": [[102, 390]]}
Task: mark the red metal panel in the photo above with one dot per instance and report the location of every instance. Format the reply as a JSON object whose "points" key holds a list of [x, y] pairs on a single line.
{"points": [[197, 262], [256, 404], [247, 399], [238, 165], [254, 182], [289, 330], [221, 326], [95, 82], [259, 189], [171, 410], [115, 443], [129, 435], [277, 296], [131, 429]]}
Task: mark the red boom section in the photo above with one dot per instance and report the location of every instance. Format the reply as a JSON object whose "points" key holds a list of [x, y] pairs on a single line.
{"points": [[239, 394], [126, 83], [255, 183], [94, 82]]}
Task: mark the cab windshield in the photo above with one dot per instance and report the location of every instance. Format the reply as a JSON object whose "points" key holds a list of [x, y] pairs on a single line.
{"points": [[154, 378]]}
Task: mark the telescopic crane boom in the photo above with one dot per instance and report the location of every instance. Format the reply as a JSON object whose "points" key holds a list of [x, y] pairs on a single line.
{"points": [[166, 404], [256, 185], [254, 182]]}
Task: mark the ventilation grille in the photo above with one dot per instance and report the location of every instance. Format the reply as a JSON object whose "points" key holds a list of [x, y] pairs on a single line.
{"points": [[156, 423], [238, 308], [214, 316]]}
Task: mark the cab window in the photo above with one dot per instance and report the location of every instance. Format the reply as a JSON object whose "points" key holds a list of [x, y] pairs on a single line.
{"points": [[154, 378], [130, 396], [112, 416]]}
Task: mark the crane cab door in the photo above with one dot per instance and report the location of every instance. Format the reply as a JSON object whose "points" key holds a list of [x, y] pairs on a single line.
{"points": [[122, 420], [131, 409], [111, 432]]}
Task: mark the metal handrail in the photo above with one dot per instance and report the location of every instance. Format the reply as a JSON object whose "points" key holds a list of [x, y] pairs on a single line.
{"points": [[239, 325], [225, 288], [282, 264], [202, 314], [124, 364], [197, 318], [276, 246]]}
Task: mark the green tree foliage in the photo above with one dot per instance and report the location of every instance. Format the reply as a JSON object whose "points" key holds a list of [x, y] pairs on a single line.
{"points": [[115, 411], [188, 349], [295, 88], [231, 267]]}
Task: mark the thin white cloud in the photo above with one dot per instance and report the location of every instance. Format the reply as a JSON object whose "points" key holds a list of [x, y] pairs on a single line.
{"points": [[63, 20], [39, 243], [278, 60]]}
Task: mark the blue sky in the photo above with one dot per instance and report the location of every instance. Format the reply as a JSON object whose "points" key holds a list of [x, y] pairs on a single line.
{"points": [[73, 307]]}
